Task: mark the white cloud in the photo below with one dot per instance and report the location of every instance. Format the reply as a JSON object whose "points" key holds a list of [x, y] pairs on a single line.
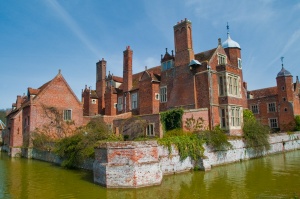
{"points": [[68, 20]]}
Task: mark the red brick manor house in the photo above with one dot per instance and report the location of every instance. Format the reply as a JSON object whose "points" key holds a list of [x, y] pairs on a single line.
{"points": [[207, 84]]}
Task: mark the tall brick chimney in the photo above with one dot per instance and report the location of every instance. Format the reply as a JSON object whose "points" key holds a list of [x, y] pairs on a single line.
{"points": [[19, 101], [184, 52], [100, 84], [127, 69]]}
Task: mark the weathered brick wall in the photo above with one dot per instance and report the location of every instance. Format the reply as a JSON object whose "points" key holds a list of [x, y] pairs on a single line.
{"points": [[127, 164], [138, 164]]}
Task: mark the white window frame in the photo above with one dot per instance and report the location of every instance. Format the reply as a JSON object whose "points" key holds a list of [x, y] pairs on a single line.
{"points": [[157, 96], [134, 101], [94, 101], [67, 115], [222, 59], [273, 123], [150, 129], [235, 116], [233, 85], [163, 94], [255, 108], [272, 107], [120, 103]]}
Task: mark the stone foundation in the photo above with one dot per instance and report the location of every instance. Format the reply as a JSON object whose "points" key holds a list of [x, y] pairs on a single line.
{"points": [[140, 164]]}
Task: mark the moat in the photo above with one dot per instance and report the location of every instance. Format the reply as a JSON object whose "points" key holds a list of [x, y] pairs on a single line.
{"points": [[274, 176]]}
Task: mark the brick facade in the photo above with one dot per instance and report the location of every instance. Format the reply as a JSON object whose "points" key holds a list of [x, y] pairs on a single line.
{"points": [[178, 82], [39, 112], [277, 106]]}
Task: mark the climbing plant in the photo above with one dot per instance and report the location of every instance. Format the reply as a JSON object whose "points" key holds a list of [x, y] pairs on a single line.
{"points": [[187, 145], [171, 119]]}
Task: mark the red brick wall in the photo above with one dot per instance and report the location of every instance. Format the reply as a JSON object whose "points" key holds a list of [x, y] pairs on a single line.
{"points": [[196, 113], [110, 100], [57, 94], [16, 137]]}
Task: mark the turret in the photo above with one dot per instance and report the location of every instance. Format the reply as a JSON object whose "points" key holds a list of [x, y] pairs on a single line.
{"points": [[233, 50], [184, 52]]}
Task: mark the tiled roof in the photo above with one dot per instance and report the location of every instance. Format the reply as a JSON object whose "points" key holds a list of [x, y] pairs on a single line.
{"points": [[153, 72], [117, 79], [205, 56], [265, 92], [33, 91]]}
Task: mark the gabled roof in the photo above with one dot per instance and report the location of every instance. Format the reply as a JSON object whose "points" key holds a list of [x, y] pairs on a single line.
{"points": [[265, 92], [45, 86], [154, 74], [206, 55]]}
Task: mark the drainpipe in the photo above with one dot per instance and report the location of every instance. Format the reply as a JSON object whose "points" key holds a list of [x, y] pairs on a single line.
{"points": [[210, 97]]}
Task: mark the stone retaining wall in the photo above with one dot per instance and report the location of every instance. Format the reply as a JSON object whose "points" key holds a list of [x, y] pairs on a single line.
{"points": [[140, 164]]}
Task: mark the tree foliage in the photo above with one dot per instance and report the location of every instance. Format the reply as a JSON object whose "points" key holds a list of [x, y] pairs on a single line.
{"points": [[256, 134], [3, 115], [74, 149]]}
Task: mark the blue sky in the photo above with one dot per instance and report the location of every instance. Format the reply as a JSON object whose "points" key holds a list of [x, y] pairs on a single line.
{"points": [[40, 37]]}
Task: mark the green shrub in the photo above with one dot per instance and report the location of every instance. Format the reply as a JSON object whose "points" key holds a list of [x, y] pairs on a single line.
{"points": [[74, 149], [256, 135], [297, 123], [216, 138], [171, 119], [42, 141]]}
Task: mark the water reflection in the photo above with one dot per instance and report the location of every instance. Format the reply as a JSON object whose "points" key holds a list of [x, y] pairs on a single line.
{"points": [[275, 176]]}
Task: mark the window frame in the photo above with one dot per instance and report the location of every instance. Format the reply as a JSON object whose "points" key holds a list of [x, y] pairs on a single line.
{"points": [[221, 85], [150, 129], [67, 115], [233, 85], [120, 103], [134, 101], [163, 94], [94, 101], [240, 65], [235, 116], [273, 121], [222, 59], [223, 118], [254, 107], [271, 107]]}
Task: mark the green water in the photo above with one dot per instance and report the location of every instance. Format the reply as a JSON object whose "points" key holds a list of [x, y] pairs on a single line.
{"points": [[276, 176]]}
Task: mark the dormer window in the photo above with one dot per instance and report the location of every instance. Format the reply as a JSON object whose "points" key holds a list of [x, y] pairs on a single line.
{"points": [[167, 65], [221, 59]]}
